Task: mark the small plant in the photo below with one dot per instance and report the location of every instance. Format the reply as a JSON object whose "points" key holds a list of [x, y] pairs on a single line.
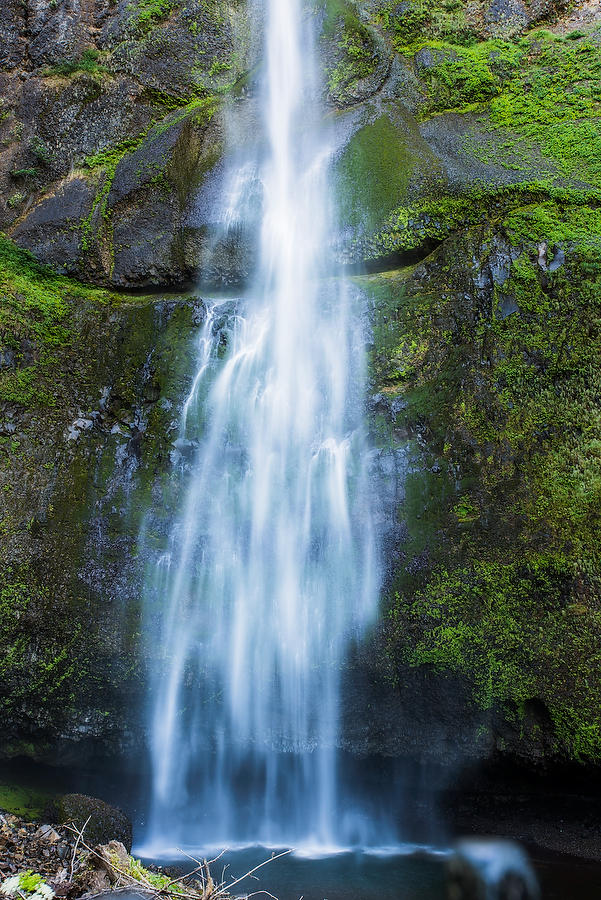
{"points": [[149, 12], [40, 151], [28, 884], [24, 173], [16, 200], [88, 62], [218, 66]]}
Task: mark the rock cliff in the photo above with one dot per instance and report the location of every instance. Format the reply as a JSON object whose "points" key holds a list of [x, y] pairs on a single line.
{"points": [[468, 172]]}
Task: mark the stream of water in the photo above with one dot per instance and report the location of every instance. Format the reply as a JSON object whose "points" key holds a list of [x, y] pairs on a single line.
{"points": [[271, 569]]}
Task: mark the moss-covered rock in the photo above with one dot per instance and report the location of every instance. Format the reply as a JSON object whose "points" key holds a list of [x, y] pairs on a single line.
{"points": [[100, 90], [466, 140], [386, 164], [492, 345], [355, 59], [100, 822], [469, 127], [82, 433]]}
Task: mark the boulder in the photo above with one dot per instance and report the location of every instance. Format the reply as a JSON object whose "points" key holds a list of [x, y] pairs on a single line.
{"points": [[101, 822], [482, 868]]}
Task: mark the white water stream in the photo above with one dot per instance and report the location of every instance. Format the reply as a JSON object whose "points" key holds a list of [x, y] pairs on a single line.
{"points": [[271, 568]]}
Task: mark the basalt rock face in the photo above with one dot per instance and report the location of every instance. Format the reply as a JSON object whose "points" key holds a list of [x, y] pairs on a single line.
{"points": [[109, 123], [89, 404], [467, 165]]}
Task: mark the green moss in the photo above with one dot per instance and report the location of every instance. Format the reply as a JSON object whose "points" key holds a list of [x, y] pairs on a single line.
{"points": [[538, 95], [552, 105], [415, 224], [462, 77], [147, 13], [37, 659], [513, 632], [501, 385], [87, 62], [36, 327], [200, 111], [373, 173], [24, 802], [412, 21], [33, 314], [356, 52]]}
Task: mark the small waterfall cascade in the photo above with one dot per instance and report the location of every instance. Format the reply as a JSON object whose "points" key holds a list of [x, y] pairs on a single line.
{"points": [[271, 568]]}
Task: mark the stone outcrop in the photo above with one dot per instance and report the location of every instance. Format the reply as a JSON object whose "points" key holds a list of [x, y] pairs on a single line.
{"points": [[468, 182]]}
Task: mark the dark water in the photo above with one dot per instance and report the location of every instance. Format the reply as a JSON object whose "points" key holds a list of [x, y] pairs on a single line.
{"points": [[343, 876], [419, 875], [411, 875]]}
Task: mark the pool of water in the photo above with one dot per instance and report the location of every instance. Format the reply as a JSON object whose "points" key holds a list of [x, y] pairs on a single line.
{"points": [[412, 874], [408, 875], [415, 873]]}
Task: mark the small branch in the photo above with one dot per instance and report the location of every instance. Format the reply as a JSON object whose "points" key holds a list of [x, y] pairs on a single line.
{"points": [[79, 838], [206, 890], [256, 868]]}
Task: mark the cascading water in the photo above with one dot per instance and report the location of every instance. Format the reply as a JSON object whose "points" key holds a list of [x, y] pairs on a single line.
{"points": [[271, 567]]}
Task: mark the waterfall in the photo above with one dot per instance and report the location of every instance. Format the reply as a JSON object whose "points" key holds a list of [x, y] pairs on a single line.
{"points": [[271, 567]]}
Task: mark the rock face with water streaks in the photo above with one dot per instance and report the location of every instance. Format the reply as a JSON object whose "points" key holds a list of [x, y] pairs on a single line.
{"points": [[468, 172]]}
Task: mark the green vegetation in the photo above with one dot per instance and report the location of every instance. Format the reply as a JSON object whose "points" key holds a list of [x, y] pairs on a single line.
{"points": [[147, 13], [24, 173], [514, 631], [33, 316], [24, 802], [553, 105], [373, 173], [140, 873], [87, 62], [27, 884], [36, 331], [503, 387], [356, 55], [408, 23], [38, 660], [458, 77], [537, 95], [200, 111]]}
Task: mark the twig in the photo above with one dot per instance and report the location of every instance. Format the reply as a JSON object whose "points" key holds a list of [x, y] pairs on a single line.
{"points": [[141, 885], [257, 893], [115, 868], [79, 837], [124, 889], [256, 868]]}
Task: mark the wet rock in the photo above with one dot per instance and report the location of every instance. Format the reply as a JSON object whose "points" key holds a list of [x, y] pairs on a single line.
{"points": [[52, 230], [100, 821], [480, 869], [112, 856], [48, 833]]}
